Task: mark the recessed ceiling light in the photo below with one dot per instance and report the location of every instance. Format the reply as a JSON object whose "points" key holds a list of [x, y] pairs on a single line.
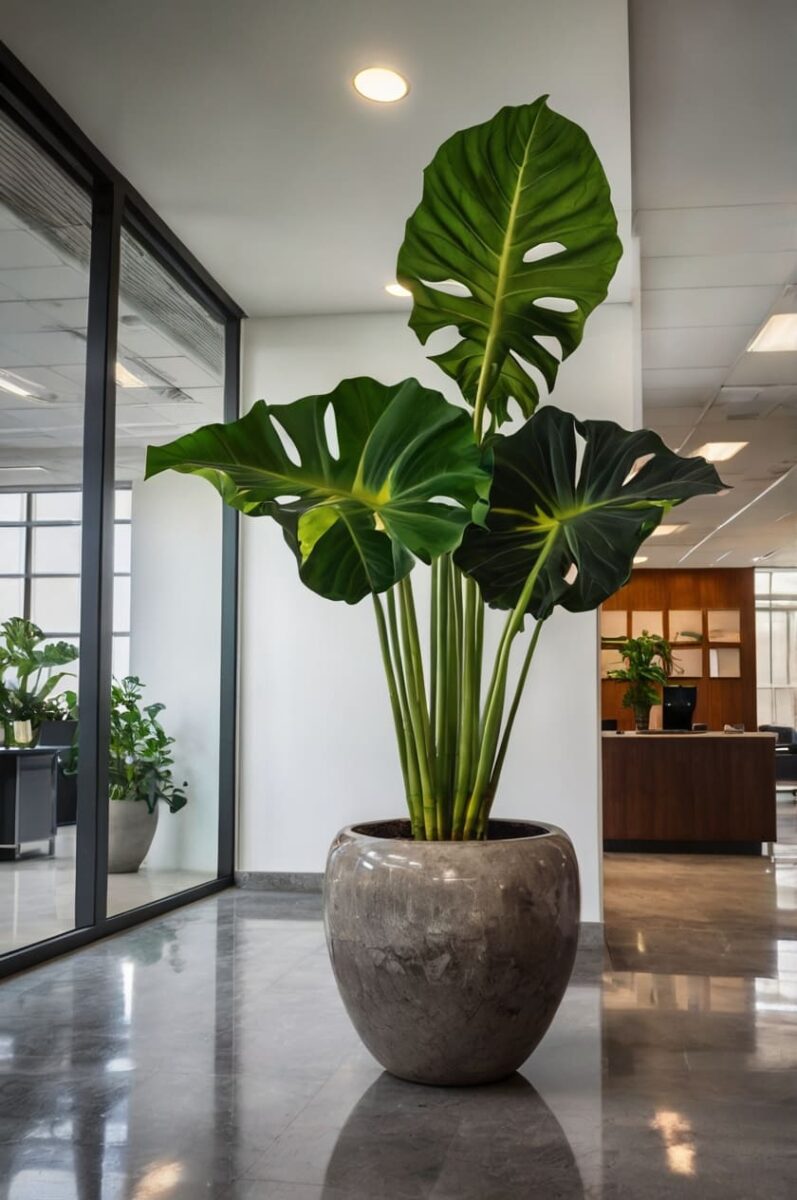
{"points": [[778, 333], [381, 84], [640, 558], [719, 451], [665, 530], [126, 379], [396, 289]]}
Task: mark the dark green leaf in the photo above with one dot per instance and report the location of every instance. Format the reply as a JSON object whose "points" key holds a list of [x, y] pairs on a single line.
{"points": [[528, 178], [596, 518], [404, 481]]}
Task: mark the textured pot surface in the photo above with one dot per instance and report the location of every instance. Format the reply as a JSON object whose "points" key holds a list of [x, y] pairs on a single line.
{"points": [[452, 957], [131, 828]]}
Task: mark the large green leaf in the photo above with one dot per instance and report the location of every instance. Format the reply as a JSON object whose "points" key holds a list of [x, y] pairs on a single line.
{"points": [[593, 520], [404, 480], [525, 180]]}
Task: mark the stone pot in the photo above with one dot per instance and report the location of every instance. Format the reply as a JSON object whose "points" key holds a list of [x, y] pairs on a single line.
{"points": [[131, 828], [452, 957]]}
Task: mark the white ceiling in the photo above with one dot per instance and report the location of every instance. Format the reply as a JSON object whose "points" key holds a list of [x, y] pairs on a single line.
{"points": [[714, 108]]}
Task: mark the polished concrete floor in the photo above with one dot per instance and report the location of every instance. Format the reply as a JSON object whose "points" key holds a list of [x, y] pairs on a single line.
{"points": [[207, 1054], [37, 892]]}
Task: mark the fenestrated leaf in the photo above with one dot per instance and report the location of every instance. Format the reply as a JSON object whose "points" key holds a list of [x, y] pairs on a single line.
{"points": [[594, 519], [527, 179], [403, 482]]}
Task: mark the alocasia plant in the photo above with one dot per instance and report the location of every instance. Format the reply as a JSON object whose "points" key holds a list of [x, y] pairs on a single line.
{"points": [[514, 243]]}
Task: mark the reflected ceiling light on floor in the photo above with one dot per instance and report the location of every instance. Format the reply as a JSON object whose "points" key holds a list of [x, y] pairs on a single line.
{"points": [[396, 289], [640, 558], [779, 333], [381, 84], [665, 530], [14, 470], [715, 452], [126, 379]]}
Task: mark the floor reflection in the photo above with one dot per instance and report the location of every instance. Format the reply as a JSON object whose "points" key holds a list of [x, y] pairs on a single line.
{"points": [[404, 1141]]}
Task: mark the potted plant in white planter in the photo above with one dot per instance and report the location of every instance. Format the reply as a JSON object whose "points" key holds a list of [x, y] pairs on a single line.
{"points": [[452, 935], [140, 775]]}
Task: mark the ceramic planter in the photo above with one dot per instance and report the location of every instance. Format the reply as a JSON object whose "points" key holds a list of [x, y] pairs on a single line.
{"points": [[452, 957], [131, 828]]}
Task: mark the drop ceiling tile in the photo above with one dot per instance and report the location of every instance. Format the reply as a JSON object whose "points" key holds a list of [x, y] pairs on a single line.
{"points": [[41, 349], [64, 314], [678, 397], [763, 369], [140, 340], [182, 372], [675, 307], [9, 219], [48, 383], [671, 416], [45, 283], [716, 270], [18, 316], [710, 347], [20, 248], [760, 228], [680, 377]]}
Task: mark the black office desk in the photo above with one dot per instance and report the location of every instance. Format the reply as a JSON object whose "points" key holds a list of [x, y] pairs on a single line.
{"points": [[27, 798]]}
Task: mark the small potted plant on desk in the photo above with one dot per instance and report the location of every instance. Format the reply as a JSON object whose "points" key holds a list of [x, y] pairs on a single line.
{"points": [[28, 679], [452, 935], [648, 666], [140, 775]]}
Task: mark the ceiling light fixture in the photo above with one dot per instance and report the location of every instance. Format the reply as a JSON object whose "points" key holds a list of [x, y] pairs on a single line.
{"points": [[640, 558], [381, 84], [397, 289], [779, 333], [126, 379], [15, 469], [665, 530], [715, 452], [14, 389]]}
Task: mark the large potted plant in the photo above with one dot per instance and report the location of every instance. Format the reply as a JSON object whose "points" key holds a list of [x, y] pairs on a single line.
{"points": [[28, 679], [452, 934], [648, 666], [140, 775]]}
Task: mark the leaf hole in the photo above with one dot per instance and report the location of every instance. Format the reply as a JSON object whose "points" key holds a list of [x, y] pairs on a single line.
{"points": [[543, 250], [556, 303], [447, 500], [637, 466], [331, 432], [549, 343], [288, 444], [451, 287], [287, 499], [571, 574]]}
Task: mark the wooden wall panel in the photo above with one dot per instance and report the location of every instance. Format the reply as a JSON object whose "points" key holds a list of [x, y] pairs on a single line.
{"points": [[719, 701]]}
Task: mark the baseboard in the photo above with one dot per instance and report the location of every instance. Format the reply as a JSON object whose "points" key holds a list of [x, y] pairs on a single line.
{"points": [[591, 935], [280, 881]]}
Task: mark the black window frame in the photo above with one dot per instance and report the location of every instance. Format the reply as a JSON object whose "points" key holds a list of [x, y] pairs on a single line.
{"points": [[115, 202]]}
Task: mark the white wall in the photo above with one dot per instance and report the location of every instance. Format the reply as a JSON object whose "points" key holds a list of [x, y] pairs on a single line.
{"points": [[175, 620], [317, 748]]}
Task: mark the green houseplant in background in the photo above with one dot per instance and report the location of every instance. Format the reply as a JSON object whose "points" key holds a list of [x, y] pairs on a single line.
{"points": [[140, 775], [648, 666], [28, 679], [513, 245]]}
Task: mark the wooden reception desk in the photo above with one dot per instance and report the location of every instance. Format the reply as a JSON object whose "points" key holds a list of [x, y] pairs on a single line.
{"points": [[698, 791]]}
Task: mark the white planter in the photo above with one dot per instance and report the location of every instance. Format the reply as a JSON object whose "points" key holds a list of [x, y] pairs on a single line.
{"points": [[23, 733], [131, 828]]}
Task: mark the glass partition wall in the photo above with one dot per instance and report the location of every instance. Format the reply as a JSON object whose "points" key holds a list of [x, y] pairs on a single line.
{"points": [[116, 596]]}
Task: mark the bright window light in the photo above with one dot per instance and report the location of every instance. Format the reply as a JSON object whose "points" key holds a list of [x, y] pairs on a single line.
{"points": [[381, 84], [719, 451], [666, 530], [779, 333], [640, 558], [396, 289], [126, 379]]}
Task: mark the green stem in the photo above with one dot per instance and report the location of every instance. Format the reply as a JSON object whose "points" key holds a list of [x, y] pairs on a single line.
{"points": [[411, 758], [416, 704], [441, 671], [468, 709], [392, 689], [510, 721], [495, 699]]}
